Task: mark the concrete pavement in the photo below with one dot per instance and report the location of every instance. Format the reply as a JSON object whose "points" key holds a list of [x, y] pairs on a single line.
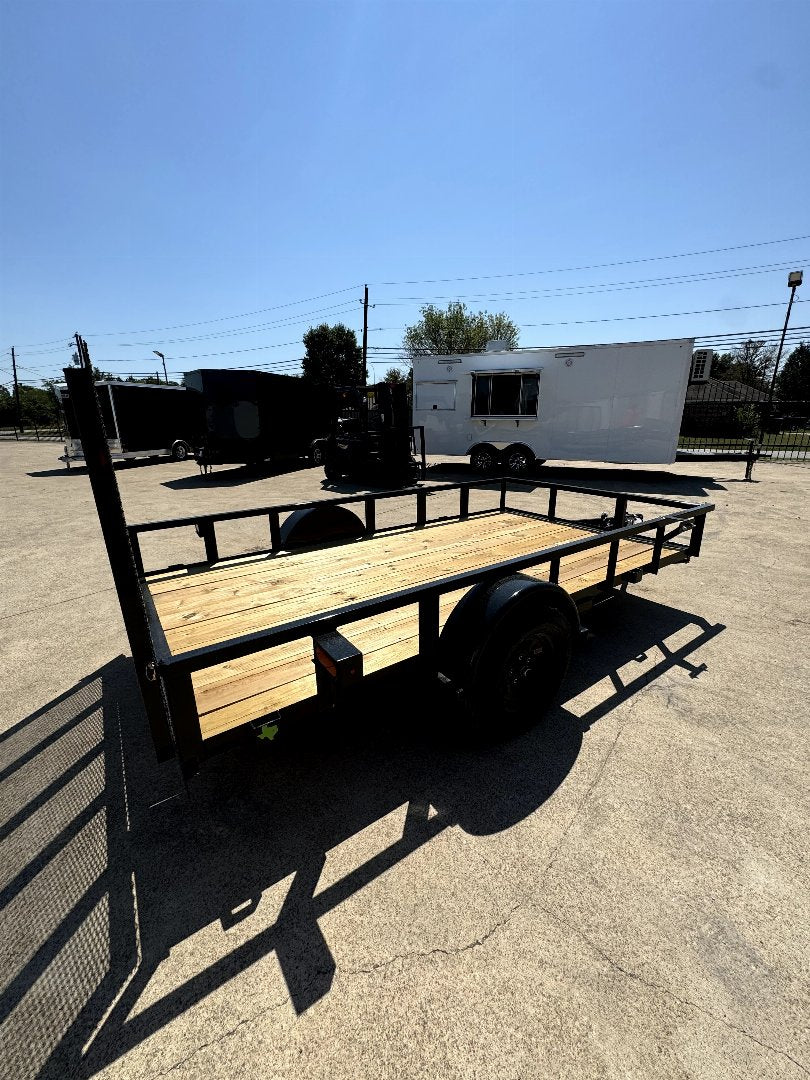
{"points": [[619, 893]]}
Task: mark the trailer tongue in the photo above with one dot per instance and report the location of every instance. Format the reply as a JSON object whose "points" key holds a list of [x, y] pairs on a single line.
{"points": [[487, 599]]}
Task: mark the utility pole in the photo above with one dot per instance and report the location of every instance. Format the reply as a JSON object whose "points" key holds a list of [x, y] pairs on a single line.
{"points": [[365, 331], [16, 391], [83, 352]]}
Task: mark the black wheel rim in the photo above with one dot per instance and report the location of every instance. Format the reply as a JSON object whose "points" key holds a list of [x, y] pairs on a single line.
{"points": [[530, 670]]}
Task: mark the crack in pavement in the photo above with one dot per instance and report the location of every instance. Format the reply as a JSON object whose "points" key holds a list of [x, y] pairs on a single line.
{"points": [[437, 951], [529, 901], [344, 971], [663, 989], [632, 705]]}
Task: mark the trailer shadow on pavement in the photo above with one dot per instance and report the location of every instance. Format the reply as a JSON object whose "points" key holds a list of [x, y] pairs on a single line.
{"points": [[627, 479], [100, 884], [233, 476]]}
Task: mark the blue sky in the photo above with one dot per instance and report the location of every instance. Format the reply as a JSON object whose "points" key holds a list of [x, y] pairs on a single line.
{"points": [[174, 162]]}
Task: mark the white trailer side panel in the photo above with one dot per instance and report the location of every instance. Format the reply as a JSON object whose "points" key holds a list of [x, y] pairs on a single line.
{"points": [[617, 403]]}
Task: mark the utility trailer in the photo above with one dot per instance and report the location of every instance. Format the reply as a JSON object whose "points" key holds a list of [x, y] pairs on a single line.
{"points": [[486, 601], [141, 420], [508, 409]]}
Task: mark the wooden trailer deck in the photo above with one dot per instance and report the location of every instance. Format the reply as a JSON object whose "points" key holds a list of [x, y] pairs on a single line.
{"points": [[205, 607]]}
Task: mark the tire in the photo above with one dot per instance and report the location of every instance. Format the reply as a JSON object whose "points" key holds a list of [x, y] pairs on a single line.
{"points": [[518, 460], [180, 451], [316, 454], [517, 672], [484, 459]]}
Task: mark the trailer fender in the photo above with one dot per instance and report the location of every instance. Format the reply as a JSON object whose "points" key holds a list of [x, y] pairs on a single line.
{"points": [[319, 525], [481, 652], [479, 613]]}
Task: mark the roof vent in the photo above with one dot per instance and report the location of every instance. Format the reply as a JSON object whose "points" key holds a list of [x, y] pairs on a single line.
{"points": [[701, 365], [497, 346]]}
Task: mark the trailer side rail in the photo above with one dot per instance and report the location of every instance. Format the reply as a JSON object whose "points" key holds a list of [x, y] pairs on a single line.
{"points": [[425, 595]]}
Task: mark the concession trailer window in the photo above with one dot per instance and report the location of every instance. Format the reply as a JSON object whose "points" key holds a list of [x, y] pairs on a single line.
{"points": [[436, 395], [505, 394]]}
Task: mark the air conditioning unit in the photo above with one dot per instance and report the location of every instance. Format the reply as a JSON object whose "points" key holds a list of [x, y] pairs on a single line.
{"points": [[701, 365]]}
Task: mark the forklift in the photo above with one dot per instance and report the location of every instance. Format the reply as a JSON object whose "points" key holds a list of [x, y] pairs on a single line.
{"points": [[372, 438]]}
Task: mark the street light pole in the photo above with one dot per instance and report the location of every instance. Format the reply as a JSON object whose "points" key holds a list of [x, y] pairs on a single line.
{"points": [[794, 281], [163, 358]]}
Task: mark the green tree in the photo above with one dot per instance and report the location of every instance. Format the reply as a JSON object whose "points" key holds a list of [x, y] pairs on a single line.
{"points": [[457, 330], [37, 405], [394, 375], [333, 357], [752, 363], [793, 381]]}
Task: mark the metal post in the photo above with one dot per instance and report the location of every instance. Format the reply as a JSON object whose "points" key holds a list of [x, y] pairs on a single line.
{"points": [[658, 547], [116, 539], [464, 501], [552, 504], [421, 509], [16, 391], [163, 358], [205, 529], [275, 531], [428, 628], [697, 536], [371, 508], [750, 458], [365, 332], [794, 281]]}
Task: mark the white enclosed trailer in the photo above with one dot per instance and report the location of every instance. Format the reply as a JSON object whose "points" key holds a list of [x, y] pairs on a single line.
{"points": [[618, 403]]}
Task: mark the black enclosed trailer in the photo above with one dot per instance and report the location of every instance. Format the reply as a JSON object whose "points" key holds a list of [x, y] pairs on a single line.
{"points": [[141, 420], [253, 416]]}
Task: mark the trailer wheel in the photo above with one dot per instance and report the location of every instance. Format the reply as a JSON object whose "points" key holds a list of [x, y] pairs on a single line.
{"points": [[316, 454], [518, 460], [484, 459], [180, 450], [507, 647]]}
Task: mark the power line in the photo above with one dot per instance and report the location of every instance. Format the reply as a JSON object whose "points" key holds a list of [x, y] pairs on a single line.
{"points": [[596, 266], [596, 289], [294, 321], [201, 322]]}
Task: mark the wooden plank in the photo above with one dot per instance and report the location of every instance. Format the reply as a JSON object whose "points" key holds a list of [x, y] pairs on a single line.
{"points": [[400, 571], [291, 570], [448, 531], [222, 619], [243, 690]]}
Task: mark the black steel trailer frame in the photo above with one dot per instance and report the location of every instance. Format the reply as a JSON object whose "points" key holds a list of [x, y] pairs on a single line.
{"points": [[331, 651], [165, 678]]}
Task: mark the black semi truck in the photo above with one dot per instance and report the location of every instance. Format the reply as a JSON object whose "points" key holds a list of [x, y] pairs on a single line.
{"points": [[141, 420]]}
